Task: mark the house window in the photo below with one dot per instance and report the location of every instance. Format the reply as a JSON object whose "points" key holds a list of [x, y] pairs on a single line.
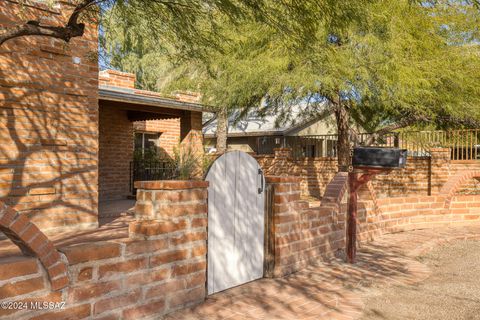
{"points": [[309, 151], [146, 141]]}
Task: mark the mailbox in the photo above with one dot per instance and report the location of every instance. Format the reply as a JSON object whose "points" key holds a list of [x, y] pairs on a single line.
{"points": [[379, 157]]}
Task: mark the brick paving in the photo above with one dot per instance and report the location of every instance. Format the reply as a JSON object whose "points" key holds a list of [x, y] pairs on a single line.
{"points": [[332, 289]]}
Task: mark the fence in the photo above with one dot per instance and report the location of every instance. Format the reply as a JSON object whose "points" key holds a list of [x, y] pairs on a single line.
{"points": [[464, 145], [149, 171]]}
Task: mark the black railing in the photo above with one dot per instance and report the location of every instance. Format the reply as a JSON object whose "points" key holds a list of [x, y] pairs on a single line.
{"points": [[302, 146], [149, 171], [318, 146], [464, 145]]}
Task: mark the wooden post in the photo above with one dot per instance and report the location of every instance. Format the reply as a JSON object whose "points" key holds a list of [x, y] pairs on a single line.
{"points": [[352, 218], [354, 183]]}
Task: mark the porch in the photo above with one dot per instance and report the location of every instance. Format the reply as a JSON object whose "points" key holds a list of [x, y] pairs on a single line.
{"points": [[138, 127]]}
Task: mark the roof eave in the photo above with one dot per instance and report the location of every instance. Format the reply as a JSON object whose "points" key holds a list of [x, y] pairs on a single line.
{"points": [[105, 93]]}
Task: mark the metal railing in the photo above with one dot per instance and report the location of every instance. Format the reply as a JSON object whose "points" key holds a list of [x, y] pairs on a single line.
{"points": [[464, 145], [302, 146], [149, 171]]}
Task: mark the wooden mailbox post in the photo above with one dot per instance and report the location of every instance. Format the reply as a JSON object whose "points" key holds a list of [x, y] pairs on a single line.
{"points": [[366, 163]]}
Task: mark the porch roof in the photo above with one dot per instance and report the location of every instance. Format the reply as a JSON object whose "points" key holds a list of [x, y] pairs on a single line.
{"points": [[147, 98]]}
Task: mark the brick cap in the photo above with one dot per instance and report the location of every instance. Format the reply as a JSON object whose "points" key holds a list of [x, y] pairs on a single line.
{"points": [[170, 184], [280, 179], [108, 72]]}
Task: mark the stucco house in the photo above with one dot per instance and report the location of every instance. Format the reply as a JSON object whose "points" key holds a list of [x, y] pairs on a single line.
{"points": [[261, 134]]}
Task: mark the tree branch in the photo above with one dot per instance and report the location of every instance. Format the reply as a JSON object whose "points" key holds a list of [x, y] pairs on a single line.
{"points": [[34, 28], [409, 120]]}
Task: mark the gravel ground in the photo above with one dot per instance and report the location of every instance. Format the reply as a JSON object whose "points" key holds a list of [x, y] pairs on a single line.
{"points": [[451, 292]]}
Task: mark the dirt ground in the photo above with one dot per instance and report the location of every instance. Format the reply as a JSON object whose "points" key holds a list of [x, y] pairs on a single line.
{"points": [[451, 292]]}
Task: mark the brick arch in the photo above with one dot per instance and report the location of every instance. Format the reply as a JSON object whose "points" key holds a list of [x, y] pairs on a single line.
{"points": [[33, 242], [454, 183]]}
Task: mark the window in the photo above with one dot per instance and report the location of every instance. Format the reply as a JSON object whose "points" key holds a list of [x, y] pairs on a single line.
{"points": [[146, 141], [309, 151]]}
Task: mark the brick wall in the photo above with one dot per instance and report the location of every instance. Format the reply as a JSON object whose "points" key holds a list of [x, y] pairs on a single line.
{"points": [[169, 130], [116, 78], [421, 175], [301, 235], [160, 268], [48, 122], [115, 153]]}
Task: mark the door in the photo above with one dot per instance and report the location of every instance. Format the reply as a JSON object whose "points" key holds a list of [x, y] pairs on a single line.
{"points": [[235, 221]]}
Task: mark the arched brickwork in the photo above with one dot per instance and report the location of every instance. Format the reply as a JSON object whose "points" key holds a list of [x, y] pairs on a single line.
{"points": [[33, 242], [454, 183]]}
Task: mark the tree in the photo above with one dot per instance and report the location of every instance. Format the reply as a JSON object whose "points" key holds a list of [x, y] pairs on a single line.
{"points": [[129, 47], [183, 23], [405, 64]]}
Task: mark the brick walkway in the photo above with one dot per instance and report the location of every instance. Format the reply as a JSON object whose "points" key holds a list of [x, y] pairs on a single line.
{"points": [[331, 290]]}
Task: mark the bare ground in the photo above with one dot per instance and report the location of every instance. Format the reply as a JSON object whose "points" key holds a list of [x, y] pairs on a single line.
{"points": [[451, 292]]}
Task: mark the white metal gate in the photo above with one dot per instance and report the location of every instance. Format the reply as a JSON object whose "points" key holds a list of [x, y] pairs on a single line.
{"points": [[235, 221]]}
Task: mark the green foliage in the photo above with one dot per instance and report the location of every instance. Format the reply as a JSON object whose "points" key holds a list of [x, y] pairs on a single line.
{"points": [[385, 61], [185, 161], [149, 155]]}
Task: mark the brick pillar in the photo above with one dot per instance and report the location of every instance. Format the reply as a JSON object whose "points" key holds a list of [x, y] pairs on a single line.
{"points": [[191, 138], [439, 168], [191, 130], [174, 213], [282, 216], [171, 216]]}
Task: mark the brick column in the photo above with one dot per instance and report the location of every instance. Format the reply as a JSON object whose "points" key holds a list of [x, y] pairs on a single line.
{"points": [[191, 130], [191, 138], [174, 213]]}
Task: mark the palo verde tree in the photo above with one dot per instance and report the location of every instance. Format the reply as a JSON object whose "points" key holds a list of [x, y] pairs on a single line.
{"points": [[183, 23], [405, 64], [219, 72], [393, 65]]}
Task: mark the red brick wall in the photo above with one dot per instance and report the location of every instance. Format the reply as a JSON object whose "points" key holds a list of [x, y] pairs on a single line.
{"points": [[159, 269], [302, 235], [48, 123], [421, 175], [170, 134], [116, 79], [115, 153]]}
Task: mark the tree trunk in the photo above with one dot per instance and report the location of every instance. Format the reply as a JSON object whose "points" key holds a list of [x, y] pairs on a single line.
{"points": [[222, 127], [343, 144]]}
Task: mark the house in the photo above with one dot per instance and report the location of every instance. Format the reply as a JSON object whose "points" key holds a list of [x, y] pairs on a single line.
{"points": [[69, 132], [134, 123], [261, 134]]}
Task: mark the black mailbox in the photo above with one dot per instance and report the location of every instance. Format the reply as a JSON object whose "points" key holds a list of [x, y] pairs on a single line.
{"points": [[379, 157]]}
